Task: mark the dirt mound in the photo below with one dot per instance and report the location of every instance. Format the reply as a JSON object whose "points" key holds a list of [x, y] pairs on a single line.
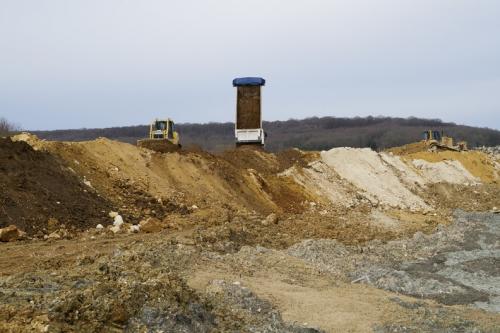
{"points": [[138, 179], [477, 163], [410, 148], [375, 178], [251, 158], [260, 172], [162, 146], [36, 186], [252, 182], [446, 171]]}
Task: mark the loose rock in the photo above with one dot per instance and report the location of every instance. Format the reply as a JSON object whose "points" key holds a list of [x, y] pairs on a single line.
{"points": [[10, 234], [151, 225]]}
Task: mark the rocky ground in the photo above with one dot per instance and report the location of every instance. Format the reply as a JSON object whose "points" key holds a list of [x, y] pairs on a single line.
{"points": [[247, 241]]}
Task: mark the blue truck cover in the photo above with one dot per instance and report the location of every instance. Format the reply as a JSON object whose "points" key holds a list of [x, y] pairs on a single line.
{"points": [[248, 81]]}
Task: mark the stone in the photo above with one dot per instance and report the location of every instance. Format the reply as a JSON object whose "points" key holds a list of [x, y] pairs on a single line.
{"points": [[54, 236], [10, 234], [113, 214], [115, 229], [118, 221], [135, 228], [52, 224], [99, 227], [151, 224], [271, 219]]}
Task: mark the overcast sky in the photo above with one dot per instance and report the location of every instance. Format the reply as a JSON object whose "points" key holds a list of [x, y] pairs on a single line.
{"points": [[100, 63]]}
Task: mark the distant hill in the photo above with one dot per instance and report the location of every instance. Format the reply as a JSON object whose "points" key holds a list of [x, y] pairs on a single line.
{"points": [[309, 134]]}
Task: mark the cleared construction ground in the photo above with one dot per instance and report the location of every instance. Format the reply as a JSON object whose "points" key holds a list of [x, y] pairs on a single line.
{"points": [[345, 240]]}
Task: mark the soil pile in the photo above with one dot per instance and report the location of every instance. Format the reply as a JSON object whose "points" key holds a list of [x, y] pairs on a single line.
{"points": [[414, 147], [324, 183], [365, 169], [259, 171], [446, 171], [142, 183], [479, 164], [136, 179], [36, 187]]}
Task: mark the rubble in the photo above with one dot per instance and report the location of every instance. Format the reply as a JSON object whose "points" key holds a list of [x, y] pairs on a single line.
{"points": [[117, 221], [115, 228], [54, 236], [10, 234], [437, 266], [151, 224], [113, 214], [270, 219], [375, 178], [135, 228], [490, 150], [446, 171]]}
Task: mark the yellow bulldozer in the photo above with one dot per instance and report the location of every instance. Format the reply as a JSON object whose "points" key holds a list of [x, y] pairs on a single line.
{"points": [[437, 141], [162, 137]]}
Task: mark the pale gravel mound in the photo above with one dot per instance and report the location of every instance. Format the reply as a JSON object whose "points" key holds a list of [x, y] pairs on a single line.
{"points": [[445, 172], [365, 169], [406, 173], [324, 182]]}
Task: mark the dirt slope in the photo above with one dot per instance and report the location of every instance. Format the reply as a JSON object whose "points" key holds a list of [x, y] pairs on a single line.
{"points": [[250, 182], [477, 163], [184, 178], [37, 186]]}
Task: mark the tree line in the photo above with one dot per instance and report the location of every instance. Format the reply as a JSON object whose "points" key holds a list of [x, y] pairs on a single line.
{"points": [[309, 134]]}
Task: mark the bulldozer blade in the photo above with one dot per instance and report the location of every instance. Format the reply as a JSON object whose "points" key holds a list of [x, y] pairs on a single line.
{"points": [[159, 145]]}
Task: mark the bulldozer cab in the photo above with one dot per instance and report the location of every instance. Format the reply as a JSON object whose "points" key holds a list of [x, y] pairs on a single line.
{"points": [[432, 135], [162, 129]]}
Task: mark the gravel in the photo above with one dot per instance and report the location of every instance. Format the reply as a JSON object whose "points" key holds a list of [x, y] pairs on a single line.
{"points": [[458, 264]]}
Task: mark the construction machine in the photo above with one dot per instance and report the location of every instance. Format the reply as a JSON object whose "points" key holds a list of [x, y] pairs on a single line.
{"points": [[162, 137], [248, 126], [436, 140]]}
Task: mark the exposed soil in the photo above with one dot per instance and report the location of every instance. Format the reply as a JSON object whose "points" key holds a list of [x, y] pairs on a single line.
{"points": [[348, 240], [477, 163], [37, 186]]}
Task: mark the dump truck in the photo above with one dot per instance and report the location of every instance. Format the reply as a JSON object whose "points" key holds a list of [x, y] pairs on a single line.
{"points": [[248, 125], [162, 137], [436, 140]]}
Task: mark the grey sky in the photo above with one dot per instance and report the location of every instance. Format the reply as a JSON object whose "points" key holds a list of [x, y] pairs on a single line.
{"points": [[99, 63]]}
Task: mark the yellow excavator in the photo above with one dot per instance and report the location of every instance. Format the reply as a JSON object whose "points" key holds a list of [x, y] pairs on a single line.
{"points": [[436, 141], [162, 137]]}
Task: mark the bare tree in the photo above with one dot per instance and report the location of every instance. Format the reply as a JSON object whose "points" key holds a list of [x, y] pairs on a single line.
{"points": [[6, 127]]}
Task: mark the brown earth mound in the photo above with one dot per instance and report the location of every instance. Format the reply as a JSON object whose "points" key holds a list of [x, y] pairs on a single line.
{"points": [[36, 187], [476, 162], [414, 147], [244, 179]]}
